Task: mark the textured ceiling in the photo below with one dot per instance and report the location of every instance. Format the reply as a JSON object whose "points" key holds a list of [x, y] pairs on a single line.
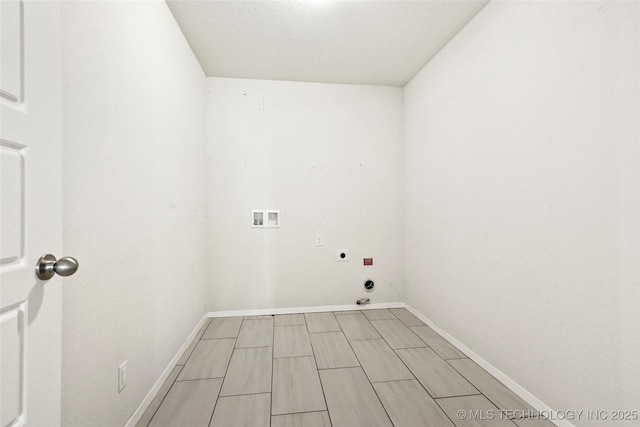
{"points": [[356, 42]]}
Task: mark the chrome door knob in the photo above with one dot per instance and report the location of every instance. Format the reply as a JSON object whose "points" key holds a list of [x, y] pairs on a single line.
{"points": [[48, 266]]}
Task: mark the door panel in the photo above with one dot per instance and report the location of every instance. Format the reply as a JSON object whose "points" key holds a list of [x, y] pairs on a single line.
{"points": [[30, 209], [11, 43], [12, 368], [12, 209]]}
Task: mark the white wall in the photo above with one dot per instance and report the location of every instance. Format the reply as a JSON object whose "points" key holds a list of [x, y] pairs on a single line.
{"points": [[521, 227], [329, 157], [134, 135]]}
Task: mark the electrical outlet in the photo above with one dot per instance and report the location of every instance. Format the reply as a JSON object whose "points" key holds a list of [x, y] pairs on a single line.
{"points": [[343, 255], [122, 376], [319, 240]]}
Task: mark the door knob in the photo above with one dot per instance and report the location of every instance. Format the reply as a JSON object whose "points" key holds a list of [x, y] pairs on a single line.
{"points": [[48, 266]]}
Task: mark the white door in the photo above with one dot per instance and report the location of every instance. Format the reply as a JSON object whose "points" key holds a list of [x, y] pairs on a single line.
{"points": [[30, 221]]}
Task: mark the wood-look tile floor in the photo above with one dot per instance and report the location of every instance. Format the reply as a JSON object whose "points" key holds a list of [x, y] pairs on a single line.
{"points": [[375, 367]]}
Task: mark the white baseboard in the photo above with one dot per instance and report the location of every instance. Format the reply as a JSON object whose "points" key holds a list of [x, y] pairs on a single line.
{"points": [[499, 375], [317, 309], [156, 387]]}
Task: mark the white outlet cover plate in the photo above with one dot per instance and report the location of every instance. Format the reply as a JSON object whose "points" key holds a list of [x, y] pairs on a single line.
{"points": [[122, 376], [339, 254]]}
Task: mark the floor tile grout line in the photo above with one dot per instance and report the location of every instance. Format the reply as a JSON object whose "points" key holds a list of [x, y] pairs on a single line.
{"points": [[197, 341], [462, 395], [370, 339], [373, 324], [229, 364], [315, 361], [246, 348], [409, 348], [405, 323], [478, 388], [303, 412], [358, 359], [412, 373], [444, 412], [287, 326], [165, 396], [215, 405], [199, 379], [436, 352], [322, 332], [333, 332], [380, 400], [467, 395], [245, 394], [395, 381], [399, 358], [369, 379], [420, 383], [361, 339], [217, 338], [445, 340], [273, 350], [444, 397], [339, 367], [194, 349], [222, 318], [300, 355], [290, 314], [346, 312], [371, 384], [378, 309]]}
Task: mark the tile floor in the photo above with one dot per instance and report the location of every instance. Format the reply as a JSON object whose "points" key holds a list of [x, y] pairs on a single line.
{"points": [[375, 367]]}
